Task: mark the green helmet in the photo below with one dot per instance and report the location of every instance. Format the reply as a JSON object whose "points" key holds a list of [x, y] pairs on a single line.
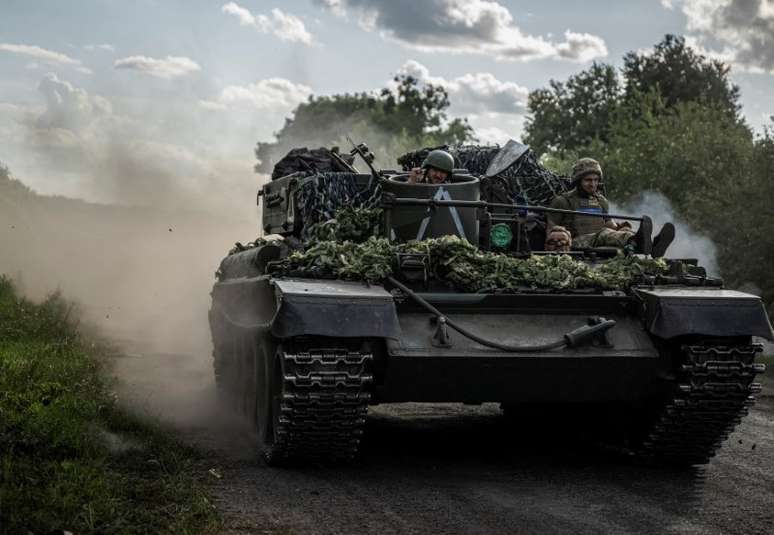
{"points": [[585, 166], [439, 159]]}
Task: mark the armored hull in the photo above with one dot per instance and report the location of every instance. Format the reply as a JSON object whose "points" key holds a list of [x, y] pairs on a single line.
{"points": [[306, 357]]}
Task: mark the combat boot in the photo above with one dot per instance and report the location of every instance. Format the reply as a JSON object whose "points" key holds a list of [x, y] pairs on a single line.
{"points": [[643, 239], [662, 240]]}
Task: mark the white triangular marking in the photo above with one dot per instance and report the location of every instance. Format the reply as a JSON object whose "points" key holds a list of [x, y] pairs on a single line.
{"points": [[442, 195]]}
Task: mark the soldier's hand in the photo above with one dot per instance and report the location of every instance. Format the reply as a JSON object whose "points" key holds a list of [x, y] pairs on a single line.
{"points": [[415, 175]]}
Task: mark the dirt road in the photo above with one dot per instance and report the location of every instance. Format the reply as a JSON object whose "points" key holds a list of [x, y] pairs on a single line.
{"points": [[457, 469]]}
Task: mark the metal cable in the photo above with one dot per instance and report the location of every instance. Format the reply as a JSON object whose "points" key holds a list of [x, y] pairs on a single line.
{"points": [[467, 334]]}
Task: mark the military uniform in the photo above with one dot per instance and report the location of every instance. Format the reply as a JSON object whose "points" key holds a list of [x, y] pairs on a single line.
{"points": [[587, 231]]}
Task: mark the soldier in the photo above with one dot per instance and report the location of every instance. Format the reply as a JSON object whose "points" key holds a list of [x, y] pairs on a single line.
{"points": [[601, 231], [436, 169]]}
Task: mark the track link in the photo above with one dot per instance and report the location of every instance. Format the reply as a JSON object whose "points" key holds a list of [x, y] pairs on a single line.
{"points": [[713, 392], [325, 396]]}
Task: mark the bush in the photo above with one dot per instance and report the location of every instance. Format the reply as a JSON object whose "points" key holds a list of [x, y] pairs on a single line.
{"points": [[59, 468]]}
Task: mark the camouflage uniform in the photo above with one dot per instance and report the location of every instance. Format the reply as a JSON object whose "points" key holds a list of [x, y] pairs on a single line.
{"points": [[587, 231]]}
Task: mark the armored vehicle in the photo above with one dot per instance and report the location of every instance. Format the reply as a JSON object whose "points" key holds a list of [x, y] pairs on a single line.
{"points": [[303, 352]]}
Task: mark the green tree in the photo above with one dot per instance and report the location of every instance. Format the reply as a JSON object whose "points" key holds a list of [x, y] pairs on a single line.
{"points": [[751, 232], [571, 114], [10, 188], [693, 154], [679, 74], [392, 121]]}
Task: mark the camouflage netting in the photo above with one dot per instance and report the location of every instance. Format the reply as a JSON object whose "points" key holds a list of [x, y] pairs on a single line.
{"points": [[320, 197], [347, 247], [524, 182], [350, 224]]}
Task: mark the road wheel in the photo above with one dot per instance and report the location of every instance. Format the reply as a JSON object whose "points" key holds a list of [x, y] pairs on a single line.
{"points": [[268, 380]]}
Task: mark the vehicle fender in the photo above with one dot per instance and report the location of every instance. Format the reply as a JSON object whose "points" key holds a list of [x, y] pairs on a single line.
{"points": [[337, 308], [250, 262], [246, 302], [313, 307], [672, 312]]}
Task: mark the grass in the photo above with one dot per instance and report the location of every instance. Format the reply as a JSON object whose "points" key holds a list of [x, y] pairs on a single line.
{"points": [[70, 457]]}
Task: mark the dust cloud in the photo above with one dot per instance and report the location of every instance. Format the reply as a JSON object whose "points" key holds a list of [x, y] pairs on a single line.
{"points": [[140, 275], [139, 254]]}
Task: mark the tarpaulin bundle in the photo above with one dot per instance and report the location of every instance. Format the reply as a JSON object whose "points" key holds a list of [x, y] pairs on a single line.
{"points": [[311, 161]]}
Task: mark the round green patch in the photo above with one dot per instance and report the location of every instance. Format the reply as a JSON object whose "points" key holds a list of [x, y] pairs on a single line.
{"points": [[500, 235]]}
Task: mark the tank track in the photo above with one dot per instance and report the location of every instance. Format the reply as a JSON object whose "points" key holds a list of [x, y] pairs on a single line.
{"points": [[714, 388], [324, 403]]}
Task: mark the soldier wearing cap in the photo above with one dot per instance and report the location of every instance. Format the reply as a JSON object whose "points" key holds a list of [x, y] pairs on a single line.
{"points": [[586, 231], [437, 168]]}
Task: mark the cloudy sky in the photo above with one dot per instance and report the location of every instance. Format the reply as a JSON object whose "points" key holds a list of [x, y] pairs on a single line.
{"points": [[161, 101]]}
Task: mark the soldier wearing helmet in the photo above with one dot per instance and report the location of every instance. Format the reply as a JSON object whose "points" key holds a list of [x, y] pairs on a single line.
{"points": [[437, 168], [587, 231]]}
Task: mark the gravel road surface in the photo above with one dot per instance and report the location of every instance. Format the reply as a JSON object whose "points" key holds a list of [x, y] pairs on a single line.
{"points": [[459, 469]]}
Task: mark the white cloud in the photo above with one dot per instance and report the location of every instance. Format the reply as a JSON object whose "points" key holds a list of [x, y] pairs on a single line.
{"points": [[740, 32], [264, 94], [283, 25], [667, 4], [39, 53], [107, 47], [492, 135], [68, 107], [148, 153], [483, 27], [169, 67], [44, 55], [474, 93], [581, 47]]}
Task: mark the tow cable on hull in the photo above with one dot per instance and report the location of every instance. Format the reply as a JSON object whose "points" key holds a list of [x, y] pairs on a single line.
{"points": [[597, 328]]}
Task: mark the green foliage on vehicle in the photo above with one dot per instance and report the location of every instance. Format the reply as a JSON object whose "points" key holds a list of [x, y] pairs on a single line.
{"points": [[462, 264]]}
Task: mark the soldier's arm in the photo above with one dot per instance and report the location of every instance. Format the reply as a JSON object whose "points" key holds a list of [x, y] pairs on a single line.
{"points": [[610, 223]]}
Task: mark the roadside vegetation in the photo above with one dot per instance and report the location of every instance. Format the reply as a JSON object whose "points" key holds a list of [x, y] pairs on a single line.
{"points": [[70, 458]]}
